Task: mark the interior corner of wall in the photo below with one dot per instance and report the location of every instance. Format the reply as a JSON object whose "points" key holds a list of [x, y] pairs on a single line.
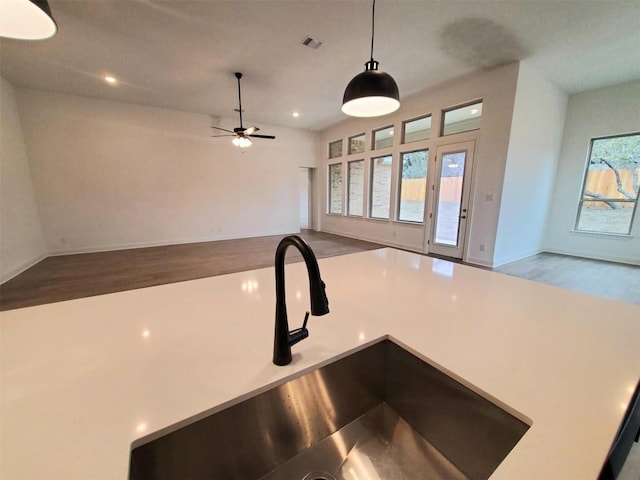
{"points": [[482, 262]]}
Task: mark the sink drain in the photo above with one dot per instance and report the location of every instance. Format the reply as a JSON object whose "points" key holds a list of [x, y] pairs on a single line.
{"points": [[319, 476]]}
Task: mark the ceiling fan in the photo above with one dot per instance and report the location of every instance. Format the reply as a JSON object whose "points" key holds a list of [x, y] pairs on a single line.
{"points": [[240, 133]]}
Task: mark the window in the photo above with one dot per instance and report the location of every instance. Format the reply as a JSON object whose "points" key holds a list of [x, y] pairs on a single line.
{"points": [[415, 130], [335, 188], [610, 190], [383, 137], [413, 186], [355, 187], [356, 144], [380, 186], [335, 149], [462, 119]]}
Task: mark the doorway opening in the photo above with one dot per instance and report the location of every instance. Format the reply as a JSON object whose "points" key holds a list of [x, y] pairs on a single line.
{"points": [[305, 197]]}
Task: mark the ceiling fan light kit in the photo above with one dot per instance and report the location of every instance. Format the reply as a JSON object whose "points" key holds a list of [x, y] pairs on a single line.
{"points": [[241, 135], [27, 20], [241, 142], [372, 93]]}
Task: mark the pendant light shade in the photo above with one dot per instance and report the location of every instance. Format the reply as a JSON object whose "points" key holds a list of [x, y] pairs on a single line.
{"points": [[372, 93], [27, 20]]}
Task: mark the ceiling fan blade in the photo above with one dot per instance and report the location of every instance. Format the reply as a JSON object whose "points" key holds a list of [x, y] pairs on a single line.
{"points": [[263, 136], [223, 129], [232, 135], [250, 130]]}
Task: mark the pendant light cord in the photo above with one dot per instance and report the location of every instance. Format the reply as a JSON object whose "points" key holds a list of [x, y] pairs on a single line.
{"points": [[373, 26]]}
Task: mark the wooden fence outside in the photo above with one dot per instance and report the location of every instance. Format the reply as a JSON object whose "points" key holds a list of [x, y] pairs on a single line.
{"points": [[602, 182], [414, 189]]}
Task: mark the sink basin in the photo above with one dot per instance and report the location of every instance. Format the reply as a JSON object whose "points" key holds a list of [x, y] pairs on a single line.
{"points": [[379, 413]]}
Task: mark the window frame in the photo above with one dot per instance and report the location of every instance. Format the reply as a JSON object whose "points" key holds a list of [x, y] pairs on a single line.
{"points": [[582, 199]]}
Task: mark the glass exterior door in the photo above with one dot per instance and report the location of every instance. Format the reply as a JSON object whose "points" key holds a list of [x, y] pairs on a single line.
{"points": [[451, 188]]}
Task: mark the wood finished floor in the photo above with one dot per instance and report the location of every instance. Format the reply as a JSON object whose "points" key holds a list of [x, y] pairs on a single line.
{"points": [[68, 277]]}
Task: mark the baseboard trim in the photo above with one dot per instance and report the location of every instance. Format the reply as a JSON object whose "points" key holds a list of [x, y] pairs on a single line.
{"points": [[514, 258], [14, 272], [386, 243], [164, 243], [478, 261], [606, 258]]}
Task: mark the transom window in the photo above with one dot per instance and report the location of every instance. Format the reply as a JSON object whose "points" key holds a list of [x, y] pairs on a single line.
{"points": [[335, 149], [462, 119], [610, 190], [415, 130], [356, 143], [383, 137]]}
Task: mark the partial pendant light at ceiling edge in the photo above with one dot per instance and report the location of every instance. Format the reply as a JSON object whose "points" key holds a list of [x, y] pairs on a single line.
{"points": [[27, 20], [372, 93]]}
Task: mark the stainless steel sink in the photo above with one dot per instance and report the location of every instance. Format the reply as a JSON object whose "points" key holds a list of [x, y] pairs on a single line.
{"points": [[379, 413]]}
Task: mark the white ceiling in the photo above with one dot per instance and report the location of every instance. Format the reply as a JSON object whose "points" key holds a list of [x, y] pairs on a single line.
{"points": [[181, 54]]}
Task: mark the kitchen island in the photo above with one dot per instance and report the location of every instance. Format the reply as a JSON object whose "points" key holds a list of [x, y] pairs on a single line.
{"points": [[82, 379]]}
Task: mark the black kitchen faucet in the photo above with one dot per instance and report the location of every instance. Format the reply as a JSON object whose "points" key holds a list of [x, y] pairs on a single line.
{"points": [[283, 338]]}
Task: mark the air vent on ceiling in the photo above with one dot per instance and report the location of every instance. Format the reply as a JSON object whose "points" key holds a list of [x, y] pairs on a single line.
{"points": [[311, 43]]}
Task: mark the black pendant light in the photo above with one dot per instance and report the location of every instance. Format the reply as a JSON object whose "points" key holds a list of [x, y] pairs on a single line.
{"points": [[27, 20], [372, 93]]}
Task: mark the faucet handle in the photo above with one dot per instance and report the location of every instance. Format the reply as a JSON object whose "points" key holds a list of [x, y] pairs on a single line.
{"points": [[299, 333]]}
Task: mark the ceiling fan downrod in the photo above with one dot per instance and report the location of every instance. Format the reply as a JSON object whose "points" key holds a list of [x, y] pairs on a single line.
{"points": [[239, 76]]}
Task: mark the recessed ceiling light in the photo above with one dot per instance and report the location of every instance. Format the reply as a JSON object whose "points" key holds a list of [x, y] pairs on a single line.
{"points": [[296, 114], [110, 80]]}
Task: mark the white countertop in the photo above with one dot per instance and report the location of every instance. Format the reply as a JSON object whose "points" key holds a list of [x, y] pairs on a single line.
{"points": [[82, 379]]}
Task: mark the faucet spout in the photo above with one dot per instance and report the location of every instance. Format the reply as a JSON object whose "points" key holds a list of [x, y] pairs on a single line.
{"points": [[283, 338]]}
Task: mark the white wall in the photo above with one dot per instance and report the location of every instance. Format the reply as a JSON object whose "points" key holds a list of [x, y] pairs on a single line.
{"points": [[111, 175], [534, 148], [497, 89], [607, 111], [21, 240], [304, 197]]}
